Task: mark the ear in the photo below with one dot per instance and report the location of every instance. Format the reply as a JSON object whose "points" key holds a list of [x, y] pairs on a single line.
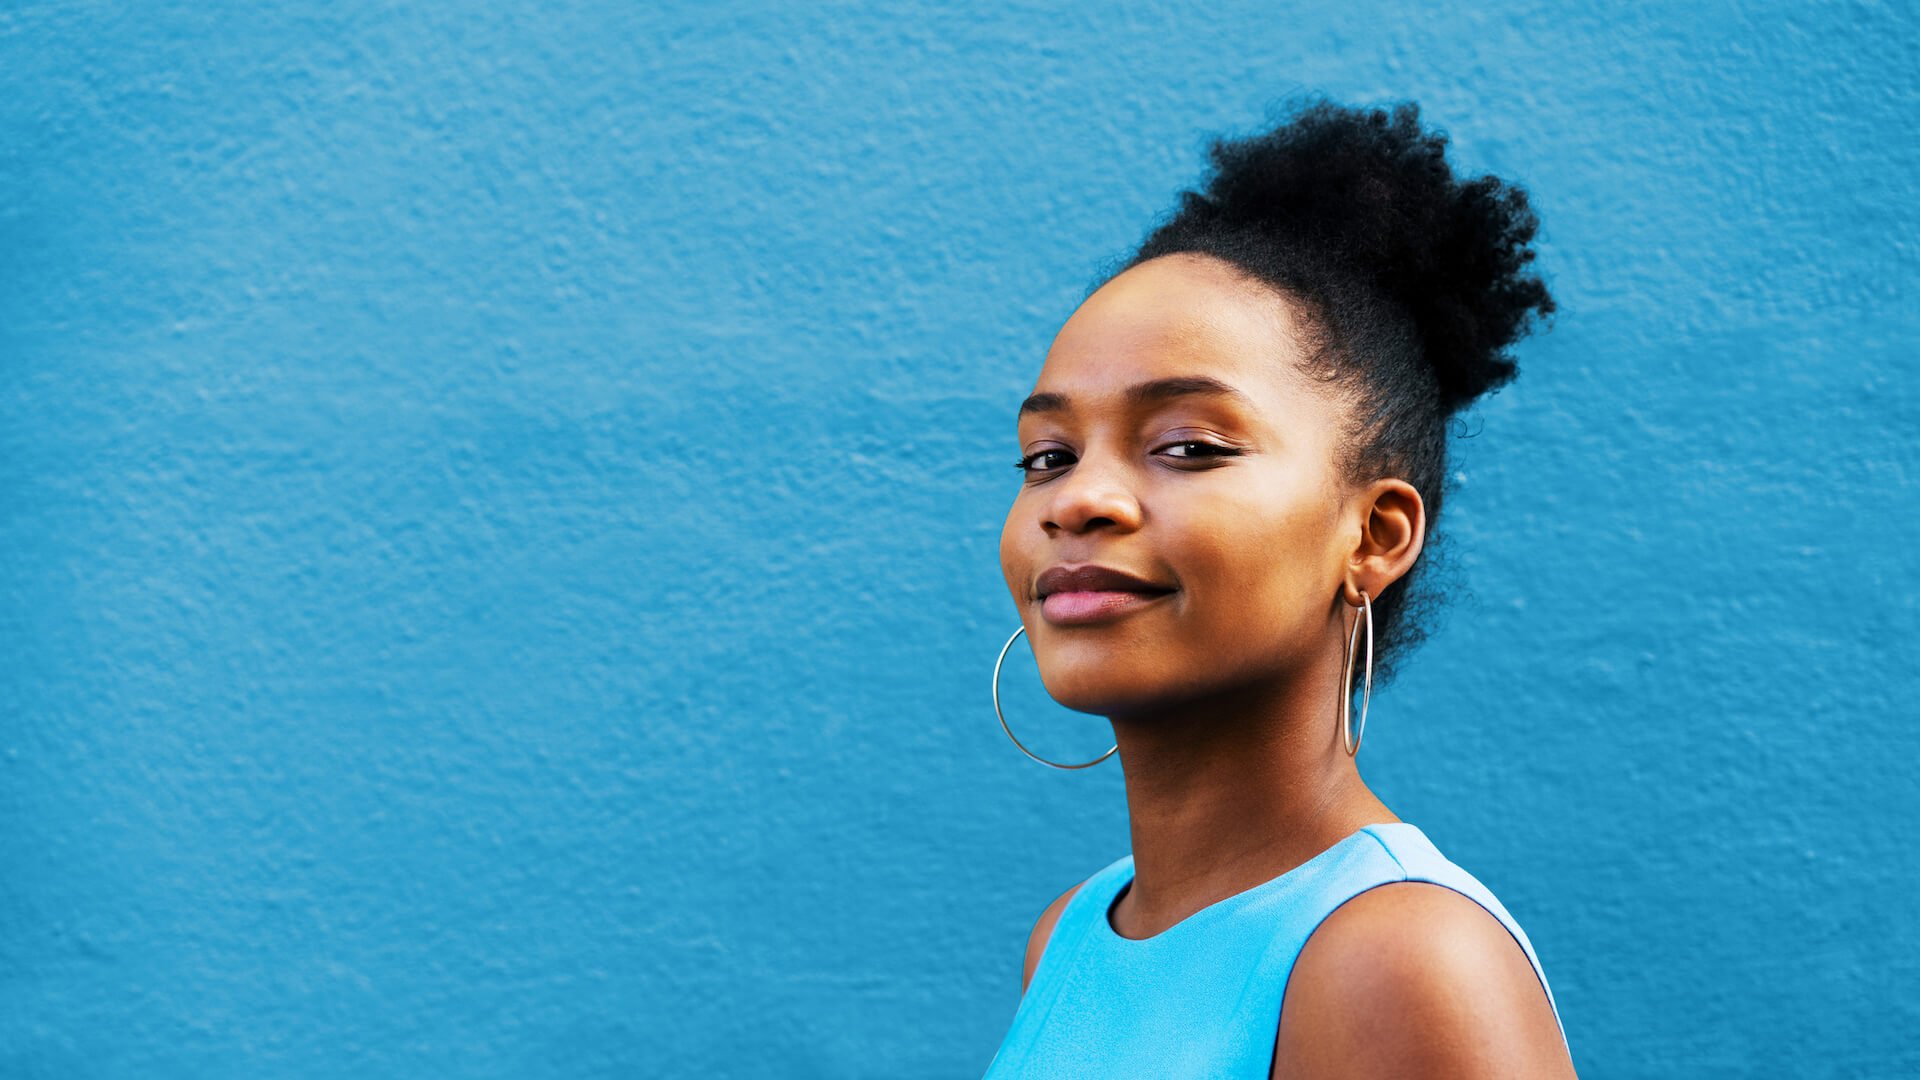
{"points": [[1393, 529]]}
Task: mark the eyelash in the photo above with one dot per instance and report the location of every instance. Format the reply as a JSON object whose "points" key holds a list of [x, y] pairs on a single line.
{"points": [[1025, 464]]}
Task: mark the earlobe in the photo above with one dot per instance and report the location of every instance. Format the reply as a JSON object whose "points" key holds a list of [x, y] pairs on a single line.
{"points": [[1350, 593]]}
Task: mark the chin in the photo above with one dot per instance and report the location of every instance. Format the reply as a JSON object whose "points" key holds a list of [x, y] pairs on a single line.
{"points": [[1093, 685]]}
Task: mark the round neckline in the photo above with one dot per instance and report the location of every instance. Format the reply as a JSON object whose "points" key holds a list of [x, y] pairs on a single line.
{"points": [[1125, 876]]}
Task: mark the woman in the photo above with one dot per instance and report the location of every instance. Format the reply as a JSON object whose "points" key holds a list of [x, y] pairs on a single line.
{"points": [[1234, 455]]}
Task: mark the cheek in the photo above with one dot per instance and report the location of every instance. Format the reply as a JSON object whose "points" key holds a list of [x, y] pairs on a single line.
{"points": [[1256, 572], [1012, 562]]}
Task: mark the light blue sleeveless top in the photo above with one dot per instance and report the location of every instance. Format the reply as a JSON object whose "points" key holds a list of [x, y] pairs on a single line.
{"points": [[1202, 998]]}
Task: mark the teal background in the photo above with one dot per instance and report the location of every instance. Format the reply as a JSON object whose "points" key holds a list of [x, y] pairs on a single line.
{"points": [[499, 506]]}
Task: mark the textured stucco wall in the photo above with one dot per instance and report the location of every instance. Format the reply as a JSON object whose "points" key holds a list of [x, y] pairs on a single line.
{"points": [[498, 514]]}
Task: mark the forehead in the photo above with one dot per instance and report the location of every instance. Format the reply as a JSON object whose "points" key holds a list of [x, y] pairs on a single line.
{"points": [[1180, 316]]}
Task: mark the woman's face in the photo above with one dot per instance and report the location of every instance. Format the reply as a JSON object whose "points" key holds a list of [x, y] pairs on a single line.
{"points": [[1225, 497]]}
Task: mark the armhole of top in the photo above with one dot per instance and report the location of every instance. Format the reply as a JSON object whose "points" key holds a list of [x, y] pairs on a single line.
{"points": [[1072, 896], [1433, 868], [1506, 922], [1071, 926]]}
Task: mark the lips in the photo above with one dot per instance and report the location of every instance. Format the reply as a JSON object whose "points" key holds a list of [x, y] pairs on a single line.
{"points": [[1077, 595], [1059, 579]]}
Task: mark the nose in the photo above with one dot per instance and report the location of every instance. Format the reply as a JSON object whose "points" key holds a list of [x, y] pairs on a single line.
{"points": [[1091, 496]]}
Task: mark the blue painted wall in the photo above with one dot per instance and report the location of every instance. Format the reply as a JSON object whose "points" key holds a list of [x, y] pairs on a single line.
{"points": [[498, 521]]}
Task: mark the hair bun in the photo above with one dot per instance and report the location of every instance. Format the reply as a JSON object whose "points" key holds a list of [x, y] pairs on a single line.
{"points": [[1366, 196]]}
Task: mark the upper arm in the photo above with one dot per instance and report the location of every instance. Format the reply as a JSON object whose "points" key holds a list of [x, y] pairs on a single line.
{"points": [[1043, 929], [1415, 979]]}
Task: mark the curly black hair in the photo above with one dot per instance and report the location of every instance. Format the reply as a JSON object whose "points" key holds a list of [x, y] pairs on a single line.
{"points": [[1413, 285]]}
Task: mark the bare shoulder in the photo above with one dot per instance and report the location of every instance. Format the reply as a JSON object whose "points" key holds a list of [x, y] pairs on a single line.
{"points": [[1042, 930], [1415, 979]]}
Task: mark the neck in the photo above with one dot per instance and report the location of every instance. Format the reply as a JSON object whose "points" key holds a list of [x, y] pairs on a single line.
{"points": [[1231, 791]]}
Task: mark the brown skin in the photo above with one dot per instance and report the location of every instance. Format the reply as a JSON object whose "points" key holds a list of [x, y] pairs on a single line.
{"points": [[1224, 694]]}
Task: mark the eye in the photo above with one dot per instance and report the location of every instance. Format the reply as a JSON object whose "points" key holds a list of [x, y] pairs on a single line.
{"points": [[1027, 464], [1199, 449]]}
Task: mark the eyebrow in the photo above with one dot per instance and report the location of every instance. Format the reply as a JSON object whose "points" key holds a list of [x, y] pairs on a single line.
{"points": [[1139, 394]]}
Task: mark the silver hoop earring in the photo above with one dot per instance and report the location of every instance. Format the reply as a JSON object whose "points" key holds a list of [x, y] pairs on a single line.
{"points": [[1349, 734], [1003, 716]]}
